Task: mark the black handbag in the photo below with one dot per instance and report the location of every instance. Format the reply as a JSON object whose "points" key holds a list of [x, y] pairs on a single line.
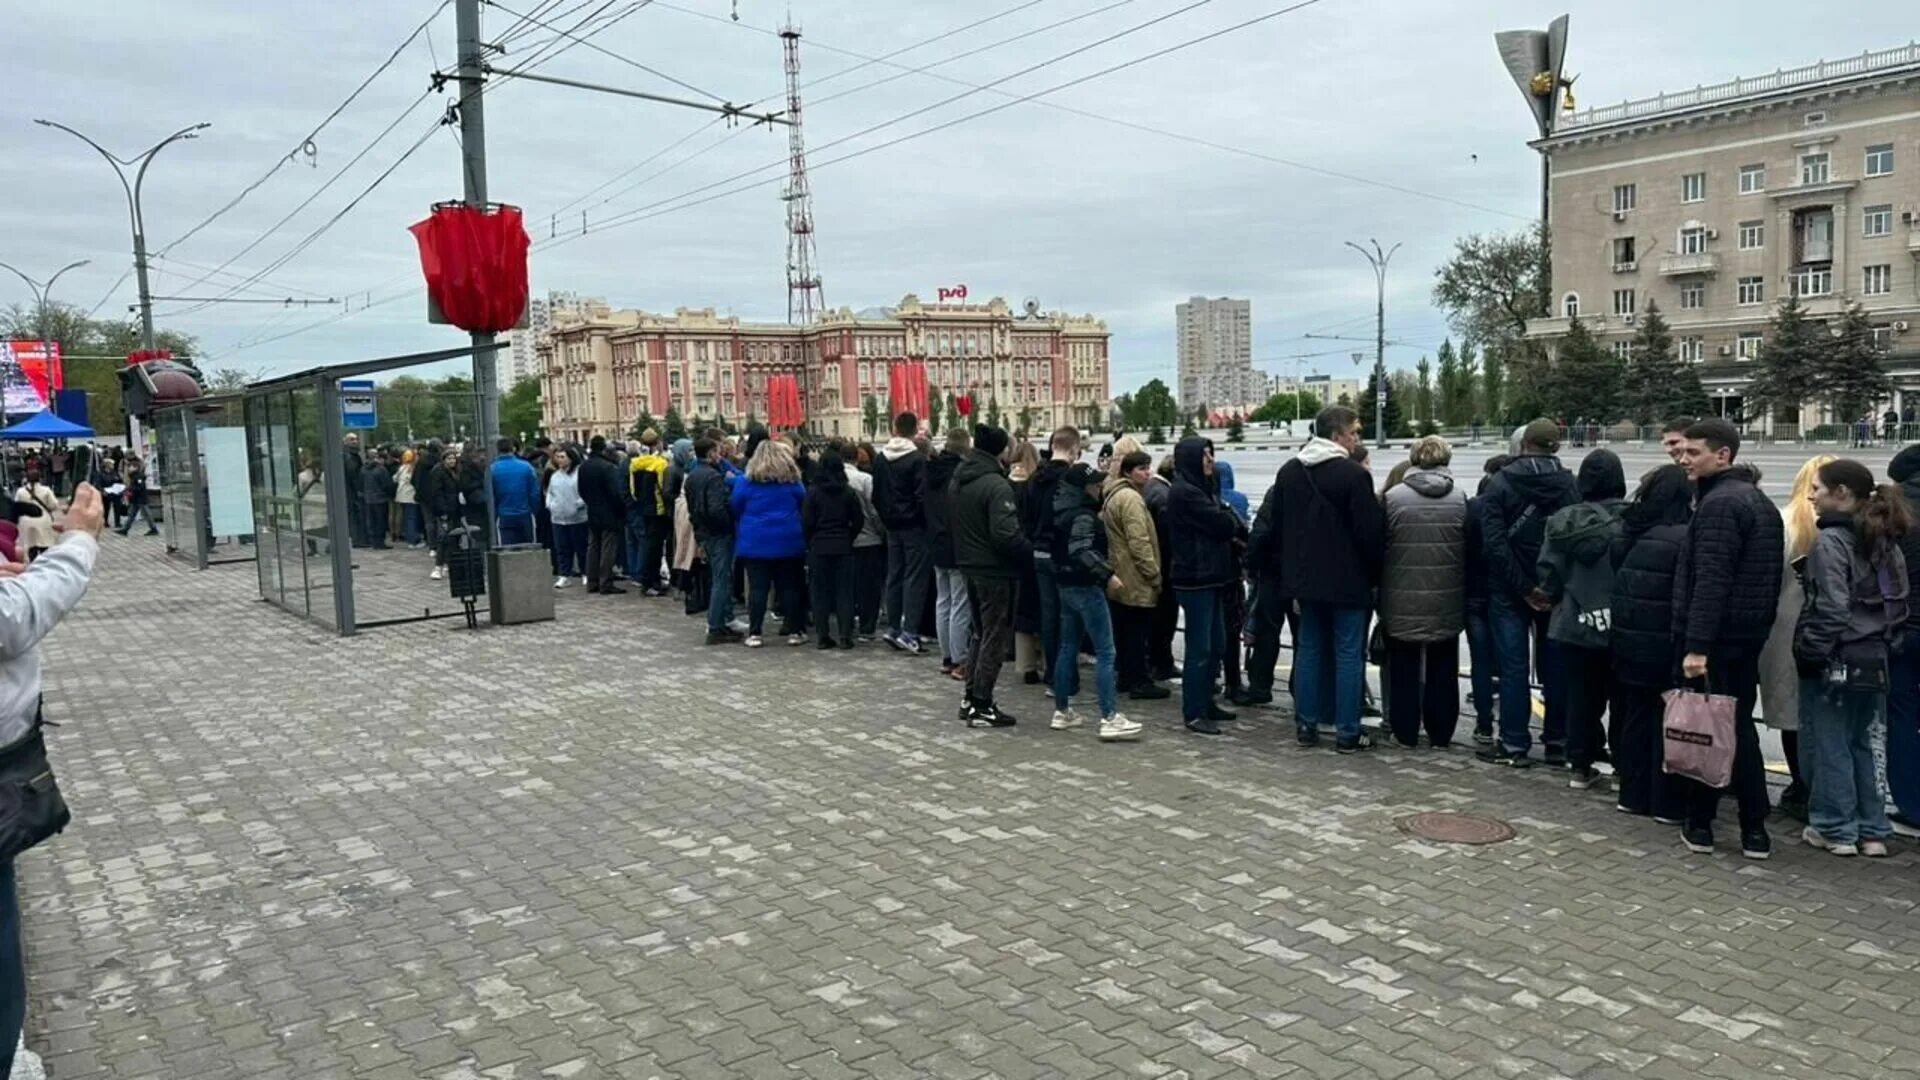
{"points": [[31, 808]]}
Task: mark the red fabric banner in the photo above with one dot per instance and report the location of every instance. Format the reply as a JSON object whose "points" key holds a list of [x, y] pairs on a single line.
{"points": [[475, 263]]}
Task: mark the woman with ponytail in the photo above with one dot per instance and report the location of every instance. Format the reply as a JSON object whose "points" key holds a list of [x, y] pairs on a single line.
{"points": [[1779, 674], [1856, 603]]}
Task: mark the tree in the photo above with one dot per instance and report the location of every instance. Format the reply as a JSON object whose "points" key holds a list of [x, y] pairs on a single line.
{"points": [[1153, 406], [1786, 373], [1494, 284], [1652, 371], [1026, 422], [1394, 424], [673, 427], [1124, 406], [1235, 432], [1493, 385], [1155, 436], [934, 413], [1850, 375], [1345, 400], [1587, 379], [993, 412], [870, 416], [1201, 414], [79, 336], [229, 380], [1187, 430], [520, 409], [1423, 397], [955, 421], [1284, 407], [720, 421]]}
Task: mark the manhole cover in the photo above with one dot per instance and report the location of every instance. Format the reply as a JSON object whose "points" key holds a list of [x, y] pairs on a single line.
{"points": [[1450, 828]]}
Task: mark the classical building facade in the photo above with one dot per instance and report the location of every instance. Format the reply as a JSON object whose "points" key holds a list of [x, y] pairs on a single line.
{"points": [[1215, 353], [601, 369], [1716, 202], [521, 357]]}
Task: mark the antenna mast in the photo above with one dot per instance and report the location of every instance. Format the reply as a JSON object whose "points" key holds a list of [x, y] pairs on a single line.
{"points": [[805, 301]]}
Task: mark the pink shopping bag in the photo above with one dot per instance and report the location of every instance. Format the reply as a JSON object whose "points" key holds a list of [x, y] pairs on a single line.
{"points": [[1697, 736]]}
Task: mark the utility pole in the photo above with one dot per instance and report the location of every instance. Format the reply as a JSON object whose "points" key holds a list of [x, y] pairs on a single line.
{"points": [[39, 291], [473, 159], [134, 215], [1378, 259]]}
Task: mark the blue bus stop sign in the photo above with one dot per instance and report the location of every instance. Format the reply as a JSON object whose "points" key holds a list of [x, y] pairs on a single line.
{"points": [[357, 408]]}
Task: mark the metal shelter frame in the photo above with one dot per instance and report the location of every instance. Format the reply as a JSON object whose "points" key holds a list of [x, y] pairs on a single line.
{"points": [[197, 550], [324, 381]]}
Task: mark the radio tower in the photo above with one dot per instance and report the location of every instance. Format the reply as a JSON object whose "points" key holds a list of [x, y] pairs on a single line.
{"points": [[805, 301]]}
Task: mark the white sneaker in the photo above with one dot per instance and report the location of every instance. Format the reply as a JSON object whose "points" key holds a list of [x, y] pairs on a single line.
{"points": [[753, 641], [1117, 728], [1064, 719], [796, 639], [560, 583], [1813, 838], [436, 574], [1873, 849]]}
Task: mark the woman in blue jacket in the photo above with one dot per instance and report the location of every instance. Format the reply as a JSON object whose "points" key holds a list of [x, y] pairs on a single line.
{"points": [[769, 540]]}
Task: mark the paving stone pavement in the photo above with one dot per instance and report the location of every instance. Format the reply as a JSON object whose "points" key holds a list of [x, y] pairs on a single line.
{"points": [[595, 848]]}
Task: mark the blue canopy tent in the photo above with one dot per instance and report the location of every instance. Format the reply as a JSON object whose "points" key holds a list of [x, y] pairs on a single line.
{"points": [[45, 425]]}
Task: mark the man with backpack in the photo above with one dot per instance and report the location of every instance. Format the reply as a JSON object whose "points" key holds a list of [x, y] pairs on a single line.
{"points": [[1036, 520], [1576, 574], [647, 488], [1518, 501], [900, 494]]}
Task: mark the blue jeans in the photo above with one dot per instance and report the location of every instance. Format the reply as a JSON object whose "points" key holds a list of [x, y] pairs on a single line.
{"points": [[719, 552], [1903, 730], [1206, 635], [516, 529], [952, 614], [1485, 664], [635, 537], [13, 970], [1836, 756], [1330, 667], [1517, 630], [1083, 610], [410, 522]]}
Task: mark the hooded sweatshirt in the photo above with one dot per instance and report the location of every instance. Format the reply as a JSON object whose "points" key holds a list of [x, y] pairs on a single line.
{"points": [[1518, 502], [832, 515], [1200, 527], [904, 504], [1237, 502], [1856, 600], [1575, 567], [1036, 512]]}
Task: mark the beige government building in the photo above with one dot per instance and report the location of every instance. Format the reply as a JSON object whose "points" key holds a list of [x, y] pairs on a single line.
{"points": [[600, 368], [1719, 200]]}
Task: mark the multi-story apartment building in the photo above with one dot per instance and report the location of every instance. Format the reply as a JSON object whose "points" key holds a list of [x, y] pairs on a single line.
{"points": [[602, 370], [1717, 201], [521, 357], [1215, 352], [1326, 389]]}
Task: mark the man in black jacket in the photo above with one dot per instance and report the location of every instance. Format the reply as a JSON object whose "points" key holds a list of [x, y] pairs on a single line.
{"points": [[989, 548], [711, 516], [904, 512], [1726, 589], [1332, 544], [350, 465], [1036, 519], [1272, 607], [952, 611], [1513, 519], [604, 489], [1202, 530], [1903, 693]]}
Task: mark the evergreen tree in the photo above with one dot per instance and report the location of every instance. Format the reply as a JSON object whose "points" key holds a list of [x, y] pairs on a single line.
{"points": [[719, 421], [934, 413], [993, 412], [1586, 379], [1026, 422], [1368, 410], [1493, 387], [1653, 374], [1785, 374], [676, 428], [1454, 388], [1235, 432], [1849, 375], [870, 416], [642, 423], [955, 422], [1423, 399]]}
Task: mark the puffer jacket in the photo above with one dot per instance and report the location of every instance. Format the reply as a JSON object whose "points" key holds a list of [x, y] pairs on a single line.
{"points": [[1729, 577], [1518, 502], [1036, 511], [1576, 573], [1200, 527], [832, 514], [707, 502], [1133, 547], [1641, 605], [1856, 599], [987, 539], [872, 533], [1423, 582], [1079, 539], [938, 508], [1910, 545], [768, 517]]}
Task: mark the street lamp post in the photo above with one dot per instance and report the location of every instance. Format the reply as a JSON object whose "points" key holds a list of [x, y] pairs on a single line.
{"points": [[1378, 259], [40, 292], [134, 215]]}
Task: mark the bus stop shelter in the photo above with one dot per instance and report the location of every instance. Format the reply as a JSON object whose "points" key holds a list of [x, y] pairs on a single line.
{"points": [[200, 473], [297, 441]]}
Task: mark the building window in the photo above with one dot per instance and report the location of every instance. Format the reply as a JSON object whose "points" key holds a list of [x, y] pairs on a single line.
{"points": [[1880, 160], [1877, 220], [1882, 338], [1752, 291], [1693, 295], [1691, 350], [1753, 235], [1693, 240], [673, 382], [1623, 198], [1753, 179], [1747, 347], [1876, 280], [1623, 301], [1813, 168], [1623, 253], [1623, 350], [1693, 187]]}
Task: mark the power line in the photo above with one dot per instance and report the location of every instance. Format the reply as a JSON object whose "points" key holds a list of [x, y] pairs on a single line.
{"points": [[643, 163], [629, 61], [306, 143]]}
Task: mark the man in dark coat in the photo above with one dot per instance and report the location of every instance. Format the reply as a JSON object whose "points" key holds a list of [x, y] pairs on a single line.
{"points": [[1726, 590], [377, 489], [903, 510], [1201, 530], [1903, 693], [603, 488], [989, 548], [712, 519], [1332, 543], [952, 619], [350, 465], [1514, 512], [1036, 519]]}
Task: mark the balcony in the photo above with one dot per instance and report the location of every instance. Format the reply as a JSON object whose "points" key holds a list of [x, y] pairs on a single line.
{"points": [[1812, 283], [1703, 262], [1913, 239]]}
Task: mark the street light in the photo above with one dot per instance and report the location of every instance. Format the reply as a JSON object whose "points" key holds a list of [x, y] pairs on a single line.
{"points": [[134, 215], [1378, 259], [40, 292]]}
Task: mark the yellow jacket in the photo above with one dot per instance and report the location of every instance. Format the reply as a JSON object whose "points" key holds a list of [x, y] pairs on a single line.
{"points": [[647, 480], [1133, 547]]}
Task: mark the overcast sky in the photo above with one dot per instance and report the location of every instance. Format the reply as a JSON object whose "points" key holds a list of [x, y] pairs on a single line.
{"points": [[1030, 201]]}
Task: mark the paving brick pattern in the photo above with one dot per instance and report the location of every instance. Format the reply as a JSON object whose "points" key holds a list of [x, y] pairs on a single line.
{"points": [[595, 848]]}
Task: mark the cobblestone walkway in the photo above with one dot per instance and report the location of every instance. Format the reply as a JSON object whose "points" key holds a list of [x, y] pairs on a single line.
{"points": [[594, 848]]}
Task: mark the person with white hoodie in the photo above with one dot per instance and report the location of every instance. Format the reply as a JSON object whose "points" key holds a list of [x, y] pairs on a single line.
{"points": [[569, 514], [902, 499], [1332, 544]]}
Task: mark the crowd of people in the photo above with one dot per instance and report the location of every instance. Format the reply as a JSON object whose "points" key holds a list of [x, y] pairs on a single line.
{"points": [[1607, 594]]}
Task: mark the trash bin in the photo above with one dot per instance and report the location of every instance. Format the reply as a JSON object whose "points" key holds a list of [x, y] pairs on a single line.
{"points": [[462, 551], [522, 584]]}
